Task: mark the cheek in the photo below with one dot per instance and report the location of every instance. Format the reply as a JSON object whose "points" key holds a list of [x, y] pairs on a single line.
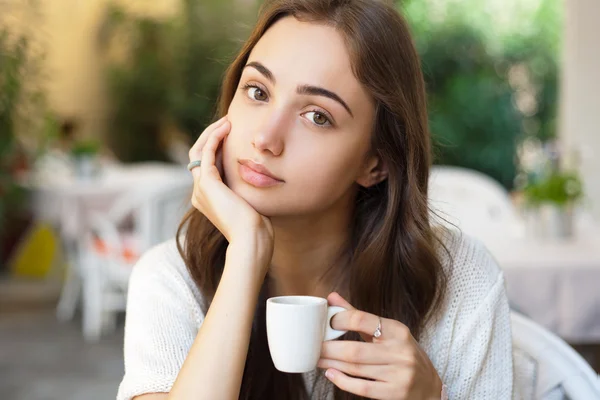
{"points": [[237, 145], [325, 175], [232, 144], [240, 111], [336, 159], [231, 154]]}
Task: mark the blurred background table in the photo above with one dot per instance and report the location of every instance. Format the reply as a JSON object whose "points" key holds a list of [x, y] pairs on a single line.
{"points": [[63, 199], [73, 204], [556, 283]]}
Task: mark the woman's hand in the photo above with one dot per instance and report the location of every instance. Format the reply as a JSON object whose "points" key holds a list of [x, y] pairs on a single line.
{"points": [[392, 366], [241, 224]]}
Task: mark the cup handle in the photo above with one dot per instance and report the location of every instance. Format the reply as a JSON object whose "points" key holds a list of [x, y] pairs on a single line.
{"points": [[331, 333]]}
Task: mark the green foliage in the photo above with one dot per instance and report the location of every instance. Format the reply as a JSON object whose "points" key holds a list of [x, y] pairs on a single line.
{"points": [[206, 42], [491, 80], [472, 116], [139, 86], [82, 148], [13, 59], [23, 129], [172, 74], [559, 188]]}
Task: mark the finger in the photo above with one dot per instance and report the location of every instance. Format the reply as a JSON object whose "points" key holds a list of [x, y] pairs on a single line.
{"points": [[219, 161], [360, 387], [209, 151], [355, 352], [335, 299], [358, 321], [368, 371], [196, 154], [196, 150]]}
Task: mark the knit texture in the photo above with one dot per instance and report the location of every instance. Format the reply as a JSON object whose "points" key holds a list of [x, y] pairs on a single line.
{"points": [[468, 339]]}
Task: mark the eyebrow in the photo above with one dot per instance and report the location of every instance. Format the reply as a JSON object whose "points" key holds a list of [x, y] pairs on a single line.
{"points": [[303, 89]]}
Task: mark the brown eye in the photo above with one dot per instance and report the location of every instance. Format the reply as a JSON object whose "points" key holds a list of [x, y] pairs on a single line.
{"points": [[257, 94], [318, 118]]}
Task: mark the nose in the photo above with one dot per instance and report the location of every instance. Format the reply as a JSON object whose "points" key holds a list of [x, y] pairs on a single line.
{"points": [[270, 136]]}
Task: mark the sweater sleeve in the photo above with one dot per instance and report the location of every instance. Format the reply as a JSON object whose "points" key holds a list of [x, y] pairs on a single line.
{"points": [[473, 349], [480, 364], [162, 319]]}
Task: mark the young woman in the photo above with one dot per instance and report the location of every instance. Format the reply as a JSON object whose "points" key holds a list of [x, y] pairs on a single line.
{"points": [[314, 182]]}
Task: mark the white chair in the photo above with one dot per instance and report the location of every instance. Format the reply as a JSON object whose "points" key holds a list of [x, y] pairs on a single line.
{"points": [[137, 221], [560, 372], [474, 202]]}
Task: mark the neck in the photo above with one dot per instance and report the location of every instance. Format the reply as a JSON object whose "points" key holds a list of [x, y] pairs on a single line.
{"points": [[309, 252]]}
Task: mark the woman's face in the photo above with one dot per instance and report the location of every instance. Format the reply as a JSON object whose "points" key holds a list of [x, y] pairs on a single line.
{"points": [[299, 112]]}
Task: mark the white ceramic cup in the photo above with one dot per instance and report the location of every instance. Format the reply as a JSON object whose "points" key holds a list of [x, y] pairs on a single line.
{"points": [[296, 329]]}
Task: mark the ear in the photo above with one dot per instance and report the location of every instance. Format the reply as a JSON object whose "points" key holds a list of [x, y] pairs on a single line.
{"points": [[373, 172]]}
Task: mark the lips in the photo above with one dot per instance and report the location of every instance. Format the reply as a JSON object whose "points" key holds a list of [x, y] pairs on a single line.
{"points": [[257, 174]]}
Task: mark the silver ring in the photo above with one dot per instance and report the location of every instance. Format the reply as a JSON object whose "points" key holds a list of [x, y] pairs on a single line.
{"points": [[194, 164], [377, 332]]}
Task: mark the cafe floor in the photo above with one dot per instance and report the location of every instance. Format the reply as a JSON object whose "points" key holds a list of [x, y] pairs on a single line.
{"points": [[43, 359]]}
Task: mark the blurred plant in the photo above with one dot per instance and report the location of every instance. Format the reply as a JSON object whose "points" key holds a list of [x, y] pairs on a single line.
{"points": [[12, 59], [473, 120], [138, 84], [171, 72], [558, 188], [85, 148], [543, 177], [24, 132], [491, 73], [533, 56], [205, 41]]}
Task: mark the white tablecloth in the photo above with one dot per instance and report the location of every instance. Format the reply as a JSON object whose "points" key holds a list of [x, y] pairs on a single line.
{"points": [[556, 283], [64, 199]]}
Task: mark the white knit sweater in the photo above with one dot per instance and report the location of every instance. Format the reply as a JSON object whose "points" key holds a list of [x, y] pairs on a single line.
{"points": [[468, 340]]}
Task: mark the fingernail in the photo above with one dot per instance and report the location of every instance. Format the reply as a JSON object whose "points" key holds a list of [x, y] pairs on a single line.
{"points": [[329, 374]]}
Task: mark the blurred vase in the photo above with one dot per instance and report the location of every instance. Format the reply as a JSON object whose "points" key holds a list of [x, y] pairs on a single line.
{"points": [[86, 167], [550, 221]]}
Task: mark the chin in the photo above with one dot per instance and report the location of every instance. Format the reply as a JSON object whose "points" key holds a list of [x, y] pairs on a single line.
{"points": [[264, 202]]}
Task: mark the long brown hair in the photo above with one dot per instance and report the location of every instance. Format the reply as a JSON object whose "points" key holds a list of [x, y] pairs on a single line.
{"points": [[392, 267]]}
